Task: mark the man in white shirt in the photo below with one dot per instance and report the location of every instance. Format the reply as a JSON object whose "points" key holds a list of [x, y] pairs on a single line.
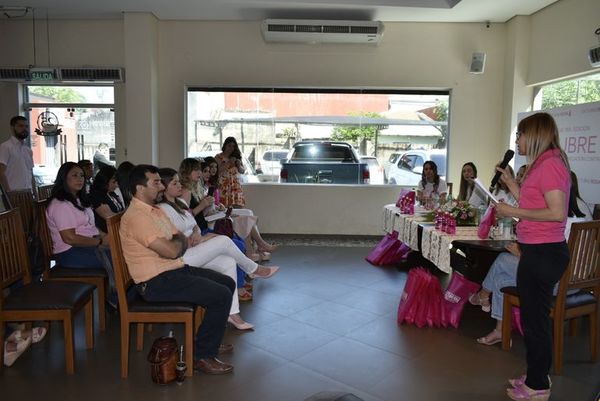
{"points": [[16, 158]]}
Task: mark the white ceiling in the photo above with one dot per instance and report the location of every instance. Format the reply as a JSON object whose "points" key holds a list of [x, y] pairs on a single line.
{"points": [[383, 10]]}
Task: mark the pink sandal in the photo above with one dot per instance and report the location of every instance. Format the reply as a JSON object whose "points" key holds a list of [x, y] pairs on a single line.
{"points": [[519, 381], [524, 393]]}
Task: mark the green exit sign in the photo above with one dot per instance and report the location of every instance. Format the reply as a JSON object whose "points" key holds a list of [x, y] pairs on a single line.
{"points": [[43, 74]]}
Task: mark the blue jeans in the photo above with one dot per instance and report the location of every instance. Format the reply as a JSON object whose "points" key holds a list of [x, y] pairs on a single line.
{"points": [[503, 273], [197, 286], [90, 258]]}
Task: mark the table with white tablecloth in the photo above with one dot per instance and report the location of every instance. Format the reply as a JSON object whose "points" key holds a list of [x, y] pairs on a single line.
{"points": [[435, 244]]}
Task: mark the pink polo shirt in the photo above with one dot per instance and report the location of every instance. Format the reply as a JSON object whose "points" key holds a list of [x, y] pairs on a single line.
{"points": [[547, 174], [62, 215]]}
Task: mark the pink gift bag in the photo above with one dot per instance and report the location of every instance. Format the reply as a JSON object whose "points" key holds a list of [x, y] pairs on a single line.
{"points": [[388, 242], [455, 297], [516, 320], [486, 222]]}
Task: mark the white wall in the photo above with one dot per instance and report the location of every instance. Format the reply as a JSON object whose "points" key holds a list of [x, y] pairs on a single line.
{"points": [[561, 36], [527, 50]]}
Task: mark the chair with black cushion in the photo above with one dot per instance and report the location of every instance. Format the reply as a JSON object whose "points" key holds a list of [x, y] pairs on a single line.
{"points": [[96, 277], [45, 301], [23, 199], [134, 309], [583, 274]]}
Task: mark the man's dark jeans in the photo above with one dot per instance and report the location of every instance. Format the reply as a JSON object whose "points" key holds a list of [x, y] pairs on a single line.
{"points": [[201, 287]]}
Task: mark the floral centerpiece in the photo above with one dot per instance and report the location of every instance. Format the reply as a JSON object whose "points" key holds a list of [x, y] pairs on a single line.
{"points": [[462, 211]]}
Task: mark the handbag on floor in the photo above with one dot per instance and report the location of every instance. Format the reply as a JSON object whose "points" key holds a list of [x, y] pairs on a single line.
{"points": [[516, 320], [417, 303], [455, 298], [163, 358]]}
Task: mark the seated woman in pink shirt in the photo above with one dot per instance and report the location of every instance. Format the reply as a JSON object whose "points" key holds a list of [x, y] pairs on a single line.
{"points": [[76, 241]]}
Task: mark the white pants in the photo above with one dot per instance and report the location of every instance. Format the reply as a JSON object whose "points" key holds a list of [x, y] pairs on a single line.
{"points": [[221, 255]]}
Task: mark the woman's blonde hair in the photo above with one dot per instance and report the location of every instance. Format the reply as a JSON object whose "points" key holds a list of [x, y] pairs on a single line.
{"points": [[541, 134], [186, 168]]}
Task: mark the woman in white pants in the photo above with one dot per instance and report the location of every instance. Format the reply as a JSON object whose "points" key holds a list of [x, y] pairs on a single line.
{"points": [[211, 251]]}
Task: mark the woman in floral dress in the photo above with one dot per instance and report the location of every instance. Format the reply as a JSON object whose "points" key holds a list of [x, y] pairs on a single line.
{"points": [[230, 167]]}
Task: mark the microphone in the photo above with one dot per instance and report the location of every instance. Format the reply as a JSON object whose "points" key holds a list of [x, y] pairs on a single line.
{"points": [[507, 157]]}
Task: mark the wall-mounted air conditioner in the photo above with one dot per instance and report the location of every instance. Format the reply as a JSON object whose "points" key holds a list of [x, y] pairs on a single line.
{"points": [[321, 31]]}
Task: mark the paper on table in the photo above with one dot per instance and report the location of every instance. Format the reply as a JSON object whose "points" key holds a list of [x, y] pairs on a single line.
{"points": [[482, 188], [214, 217]]}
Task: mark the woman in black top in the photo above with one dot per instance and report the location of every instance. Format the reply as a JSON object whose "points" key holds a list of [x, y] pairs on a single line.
{"points": [[103, 198]]}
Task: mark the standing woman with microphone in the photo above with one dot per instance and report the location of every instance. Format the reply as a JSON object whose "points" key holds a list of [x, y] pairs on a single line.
{"points": [[543, 201]]}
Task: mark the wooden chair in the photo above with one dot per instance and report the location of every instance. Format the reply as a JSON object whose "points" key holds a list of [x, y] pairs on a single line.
{"points": [[38, 301], [44, 191], [583, 273], [96, 277], [24, 201], [134, 309]]}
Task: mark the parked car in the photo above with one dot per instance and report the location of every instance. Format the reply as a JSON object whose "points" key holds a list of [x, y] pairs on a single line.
{"points": [[393, 159], [324, 162], [269, 165], [248, 177], [409, 167], [375, 170]]}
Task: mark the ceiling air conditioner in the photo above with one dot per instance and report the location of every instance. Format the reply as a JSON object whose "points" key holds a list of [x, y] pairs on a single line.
{"points": [[321, 31]]}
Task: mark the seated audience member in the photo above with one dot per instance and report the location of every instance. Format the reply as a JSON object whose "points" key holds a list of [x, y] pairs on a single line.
{"points": [[501, 192], [468, 191], [76, 241], [431, 187], [153, 249], [103, 198], [195, 190], [215, 252], [190, 172], [123, 182], [503, 272], [88, 173]]}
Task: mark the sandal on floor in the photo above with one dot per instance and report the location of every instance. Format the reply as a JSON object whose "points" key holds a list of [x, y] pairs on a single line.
{"points": [[265, 256], [255, 257], [244, 296], [270, 248], [476, 300], [519, 381], [492, 338], [524, 393], [22, 343]]}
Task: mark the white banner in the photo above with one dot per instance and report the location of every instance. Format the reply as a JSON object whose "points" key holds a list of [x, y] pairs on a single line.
{"points": [[579, 129]]}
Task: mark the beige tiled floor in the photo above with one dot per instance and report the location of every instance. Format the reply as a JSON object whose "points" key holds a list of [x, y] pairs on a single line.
{"points": [[325, 322]]}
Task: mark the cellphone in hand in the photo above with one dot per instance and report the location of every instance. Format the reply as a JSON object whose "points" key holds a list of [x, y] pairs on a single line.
{"points": [[211, 191]]}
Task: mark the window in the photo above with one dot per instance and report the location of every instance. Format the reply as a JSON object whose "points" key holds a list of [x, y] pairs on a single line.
{"points": [[83, 114], [269, 123], [565, 93]]}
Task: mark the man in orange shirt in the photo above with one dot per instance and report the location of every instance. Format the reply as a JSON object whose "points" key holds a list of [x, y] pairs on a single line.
{"points": [[153, 247]]}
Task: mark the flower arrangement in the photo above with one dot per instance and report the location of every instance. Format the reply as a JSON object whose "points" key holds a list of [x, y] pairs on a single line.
{"points": [[461, 211]]}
